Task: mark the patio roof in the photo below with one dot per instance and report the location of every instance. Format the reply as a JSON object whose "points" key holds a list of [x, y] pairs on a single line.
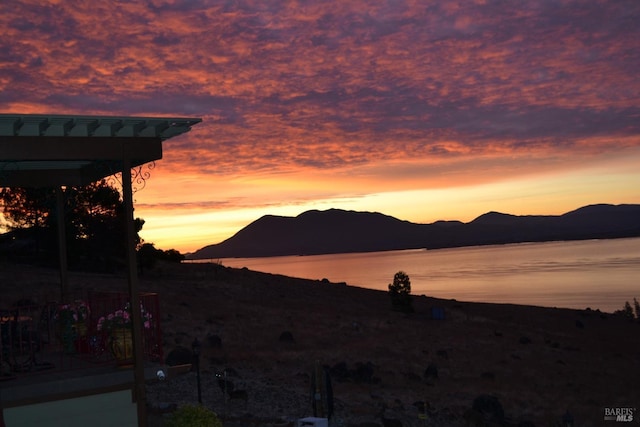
{"points": [[60, 150], [57, 151]]}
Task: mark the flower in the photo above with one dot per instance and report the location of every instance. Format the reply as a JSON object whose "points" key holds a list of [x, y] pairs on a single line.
{"points": [[76, 312], [122, 319]]}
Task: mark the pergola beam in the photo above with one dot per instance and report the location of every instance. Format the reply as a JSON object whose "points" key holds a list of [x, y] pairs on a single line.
{"points": [[56, 177], [96, 148], [31, 161]]}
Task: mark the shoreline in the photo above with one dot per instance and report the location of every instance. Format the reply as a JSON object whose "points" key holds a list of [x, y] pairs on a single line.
{"points": [[568, 274], [443, 248]]}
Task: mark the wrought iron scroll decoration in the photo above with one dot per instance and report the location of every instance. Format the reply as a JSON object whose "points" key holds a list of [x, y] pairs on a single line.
{"points": [[139, 176]]}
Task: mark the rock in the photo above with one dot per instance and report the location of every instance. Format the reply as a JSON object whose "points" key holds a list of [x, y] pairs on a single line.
{"points": [[363, 373], [179, 356], [286, 337], [525, 340], [488, 375], [431, 373], [339, 372], [214, 341], [489, 407]]}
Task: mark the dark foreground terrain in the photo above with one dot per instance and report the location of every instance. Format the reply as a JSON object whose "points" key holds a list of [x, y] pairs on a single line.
{"points": [[521, 365]]}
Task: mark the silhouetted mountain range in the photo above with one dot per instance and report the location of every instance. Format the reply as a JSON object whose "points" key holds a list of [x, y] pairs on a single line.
{"points": [[338, 231]]}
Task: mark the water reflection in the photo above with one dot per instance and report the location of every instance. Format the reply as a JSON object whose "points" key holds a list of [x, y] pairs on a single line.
{"points": [[595, 273]]}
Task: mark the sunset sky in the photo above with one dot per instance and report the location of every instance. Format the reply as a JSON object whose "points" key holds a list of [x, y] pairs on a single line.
{"points": [[423, 110]]}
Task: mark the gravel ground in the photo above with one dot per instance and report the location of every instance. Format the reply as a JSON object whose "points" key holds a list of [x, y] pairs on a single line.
{"points": [[267, 402]]}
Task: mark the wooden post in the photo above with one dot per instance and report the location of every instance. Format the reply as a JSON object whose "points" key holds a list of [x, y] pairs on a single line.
{"points": [[319, 391], [62, 245], [134, 293]]}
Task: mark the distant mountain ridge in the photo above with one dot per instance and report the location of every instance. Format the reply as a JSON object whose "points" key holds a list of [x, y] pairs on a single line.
{"points": [[338, 231]]}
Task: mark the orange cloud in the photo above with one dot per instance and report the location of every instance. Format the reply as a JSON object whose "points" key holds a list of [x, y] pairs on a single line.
{"points": [[399, 95]]}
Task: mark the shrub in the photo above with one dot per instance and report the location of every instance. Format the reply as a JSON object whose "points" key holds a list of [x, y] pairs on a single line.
{"points": [[627, 311], [194, 416], [400, 293]]}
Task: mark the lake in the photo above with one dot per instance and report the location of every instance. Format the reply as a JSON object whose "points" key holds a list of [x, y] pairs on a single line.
{"points": [[600, 274]]}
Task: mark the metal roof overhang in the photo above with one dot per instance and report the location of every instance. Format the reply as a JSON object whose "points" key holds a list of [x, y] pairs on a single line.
{"points": [[57, 150]]}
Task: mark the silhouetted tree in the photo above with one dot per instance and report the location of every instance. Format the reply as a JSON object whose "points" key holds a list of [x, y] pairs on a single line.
{"points": [[94, 222], [148, 256], [29, 209], [400, 293], [627, 311], [26, 207]]}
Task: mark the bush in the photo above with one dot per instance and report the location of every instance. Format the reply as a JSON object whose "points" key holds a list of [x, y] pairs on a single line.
{"points": [[400, 293], [148, 256], [628, 311], [194, 416]]}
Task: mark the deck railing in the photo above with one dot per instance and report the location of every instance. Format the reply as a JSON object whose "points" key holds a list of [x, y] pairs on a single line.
{"points": [[94, 331]]}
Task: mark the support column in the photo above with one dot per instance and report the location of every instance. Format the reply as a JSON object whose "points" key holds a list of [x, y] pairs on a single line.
{"points": [[134, 292], [62, 246]]}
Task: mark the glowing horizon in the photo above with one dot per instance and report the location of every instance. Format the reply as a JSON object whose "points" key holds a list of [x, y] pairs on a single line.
{"points": [[425, 112]]}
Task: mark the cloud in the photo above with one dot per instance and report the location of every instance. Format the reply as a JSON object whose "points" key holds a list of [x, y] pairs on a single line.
{"points": [[326, 85]]}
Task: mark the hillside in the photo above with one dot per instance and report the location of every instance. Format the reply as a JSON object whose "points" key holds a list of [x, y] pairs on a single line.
{"points": [[268, 331], [338, 231]]}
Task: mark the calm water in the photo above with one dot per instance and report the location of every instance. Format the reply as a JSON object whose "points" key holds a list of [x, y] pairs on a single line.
{"points": [[595, 273]]}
